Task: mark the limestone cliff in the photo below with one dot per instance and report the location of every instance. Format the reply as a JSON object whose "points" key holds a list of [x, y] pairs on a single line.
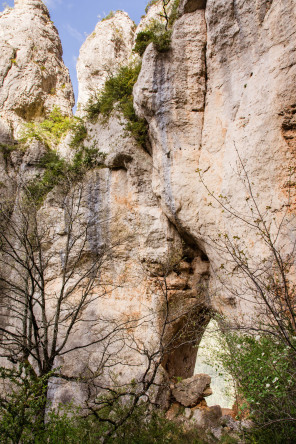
{"points": [[216, 102], [103, 52], [220, 102], [33, 77]]}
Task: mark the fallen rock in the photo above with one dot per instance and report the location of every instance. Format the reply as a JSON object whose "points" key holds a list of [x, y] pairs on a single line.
{"points": [[208, 417], [191, 391], [173, 411]]}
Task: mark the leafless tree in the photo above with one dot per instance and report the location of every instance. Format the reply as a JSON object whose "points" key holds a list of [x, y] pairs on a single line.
{"points": [[50, 279], [177, 326], [259, 273], [266, 280]]}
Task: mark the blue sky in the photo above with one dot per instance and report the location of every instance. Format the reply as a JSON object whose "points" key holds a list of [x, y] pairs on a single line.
{"points": [[75, 19]]}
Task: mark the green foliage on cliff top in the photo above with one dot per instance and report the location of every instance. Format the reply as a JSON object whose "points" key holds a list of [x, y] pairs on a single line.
{"points": [[117, 94], [109, 16], [158, 32]]}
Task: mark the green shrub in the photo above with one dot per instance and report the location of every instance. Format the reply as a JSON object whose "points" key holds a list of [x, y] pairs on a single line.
{"points": [[118, 94], [85, 159], [22, 417], [143, 39], [162, 42], [79, 132], [157, 34], [109, 16], [21, 405], [7, 149], [151, 3], [264, 370], [51, 130], [57, 171], [65, 425]]}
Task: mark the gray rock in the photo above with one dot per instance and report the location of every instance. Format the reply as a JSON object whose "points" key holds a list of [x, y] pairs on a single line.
{"points": [[188, 413], [206, 418], [191, 391]]}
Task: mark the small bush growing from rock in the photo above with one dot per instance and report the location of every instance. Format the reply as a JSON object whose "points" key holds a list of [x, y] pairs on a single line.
{"points": [[51, 130], [57, 170], [7, 149], [109, 16], [156, 34], [118, 94]]}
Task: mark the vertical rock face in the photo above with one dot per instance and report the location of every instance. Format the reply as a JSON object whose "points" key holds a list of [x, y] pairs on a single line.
{"points": [[222, 98], [170, 94], [33, 77], [104, 51], [123, 193], [219, 110]]}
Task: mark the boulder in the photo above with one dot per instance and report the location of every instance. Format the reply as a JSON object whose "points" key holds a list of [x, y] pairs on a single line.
{"points": [[190, 392], [208, 417]]}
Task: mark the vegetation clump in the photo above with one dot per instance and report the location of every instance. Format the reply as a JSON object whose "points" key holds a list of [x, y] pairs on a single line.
{"points": [[7, 149], [109, 16], [51, 130], [158, 32], [57, 170], [263, 368], [118, 94], [20, 419]]}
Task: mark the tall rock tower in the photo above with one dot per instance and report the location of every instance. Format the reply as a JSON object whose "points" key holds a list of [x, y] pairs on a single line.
{"points": [[33, 76]]}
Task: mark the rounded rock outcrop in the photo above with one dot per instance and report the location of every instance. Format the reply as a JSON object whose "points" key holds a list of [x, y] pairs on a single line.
{"points": [[33, 77], [107, 49]]}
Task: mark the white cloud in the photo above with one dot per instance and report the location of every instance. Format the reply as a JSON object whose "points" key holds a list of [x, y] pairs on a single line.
{"points": [[74, 33]]}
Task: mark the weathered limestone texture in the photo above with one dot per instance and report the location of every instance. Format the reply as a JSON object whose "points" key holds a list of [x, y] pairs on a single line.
{"points": [[33, 77], [190, 392], [224, 91], [170, 94], [221, 100], [103, 52]]}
